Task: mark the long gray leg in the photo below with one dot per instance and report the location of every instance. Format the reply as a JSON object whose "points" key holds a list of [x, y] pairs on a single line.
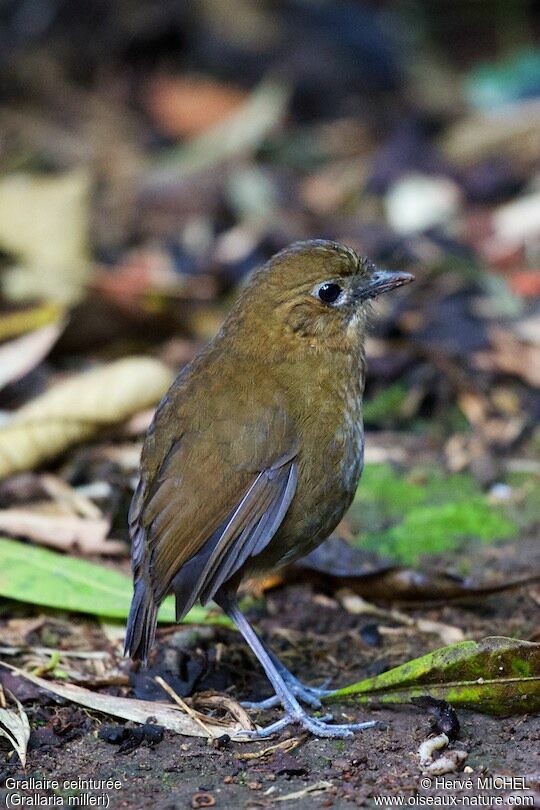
{"points": [[307, 694], [294, 713]]}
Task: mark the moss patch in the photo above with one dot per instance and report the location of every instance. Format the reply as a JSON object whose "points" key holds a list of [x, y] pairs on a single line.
{"points": [[386, 405], [423, 512]]}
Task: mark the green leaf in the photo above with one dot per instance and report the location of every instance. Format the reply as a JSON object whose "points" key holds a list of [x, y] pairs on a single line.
{"points": [[495, 675], [42, 577]]}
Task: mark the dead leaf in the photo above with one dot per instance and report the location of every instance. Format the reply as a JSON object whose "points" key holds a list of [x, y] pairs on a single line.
{"points": [[63, 532], [336, 564], [512, 355], [14, 726], [23, 354], [510, 130], [164, 714], [357, 606], [44, 224], [225, 703], [525, 283], [447, 633], [68, 497], [518, 222], [240, 133], [195, 716], [495, 675], [185, 106], [78, 408]]}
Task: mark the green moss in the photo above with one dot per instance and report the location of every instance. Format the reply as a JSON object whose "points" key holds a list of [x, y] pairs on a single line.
{"points": [[386, 405], [434, 529], [521, 668], [422, 512], [384, 494]]}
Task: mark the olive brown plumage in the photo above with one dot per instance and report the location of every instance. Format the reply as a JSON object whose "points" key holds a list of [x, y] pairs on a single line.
{"points": [[255, 453]]}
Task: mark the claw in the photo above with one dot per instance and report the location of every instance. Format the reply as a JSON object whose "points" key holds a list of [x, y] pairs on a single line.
{"points": [[318, 726]]}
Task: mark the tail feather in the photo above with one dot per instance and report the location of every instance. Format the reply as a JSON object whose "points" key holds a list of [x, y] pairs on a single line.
{"points": [[141, 624]]}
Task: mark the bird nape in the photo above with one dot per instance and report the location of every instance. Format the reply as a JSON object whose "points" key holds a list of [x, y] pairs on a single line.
{"points": [[255, 452]]}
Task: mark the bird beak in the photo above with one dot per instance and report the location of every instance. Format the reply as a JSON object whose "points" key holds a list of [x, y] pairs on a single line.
{"points": [[381, 281]]}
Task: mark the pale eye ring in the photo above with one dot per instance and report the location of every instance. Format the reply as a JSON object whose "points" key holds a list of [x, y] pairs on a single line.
{"points": [[329, 292]]}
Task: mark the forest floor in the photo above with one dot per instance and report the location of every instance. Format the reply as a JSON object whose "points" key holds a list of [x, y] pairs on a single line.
{"points": [[319, 639]]}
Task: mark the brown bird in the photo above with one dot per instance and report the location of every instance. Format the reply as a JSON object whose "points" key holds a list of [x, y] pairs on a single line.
{"points": [[255, 452]]}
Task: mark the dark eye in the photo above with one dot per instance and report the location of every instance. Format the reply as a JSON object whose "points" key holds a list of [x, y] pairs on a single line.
{"points": [[329, 293]]}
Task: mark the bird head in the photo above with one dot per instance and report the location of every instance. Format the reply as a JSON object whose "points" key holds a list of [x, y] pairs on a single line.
{"points": [[315, 294]]}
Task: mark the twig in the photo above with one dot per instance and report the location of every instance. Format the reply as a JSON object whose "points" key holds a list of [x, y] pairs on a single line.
{"points": [[285, 745], [187, 709]]}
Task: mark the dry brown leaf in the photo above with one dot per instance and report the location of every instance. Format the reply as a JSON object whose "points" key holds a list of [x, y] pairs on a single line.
{"points": [[78, 408], [225, 703], [14, 726], [21, 355], [512, 355], [44, 224], [240, 134], [64, 532], [512, 131], [184, 106], [333, 186], [67, 497], [197, 718], [357, 606], [165, 714], [446, 632]]}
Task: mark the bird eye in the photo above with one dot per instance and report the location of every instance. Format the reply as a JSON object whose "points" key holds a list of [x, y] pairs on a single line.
{"points": [[329, 292]]}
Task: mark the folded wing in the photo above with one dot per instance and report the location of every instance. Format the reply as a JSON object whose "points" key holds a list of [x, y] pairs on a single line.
{"points": [[194, 523]]}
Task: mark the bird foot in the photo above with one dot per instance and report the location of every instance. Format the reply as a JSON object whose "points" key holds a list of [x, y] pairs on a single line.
{"points": [[307, 694], [318, 726]]}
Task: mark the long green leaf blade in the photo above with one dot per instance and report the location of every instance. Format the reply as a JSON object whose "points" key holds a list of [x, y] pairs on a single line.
{"points": [[42, 577], [495, 675]]}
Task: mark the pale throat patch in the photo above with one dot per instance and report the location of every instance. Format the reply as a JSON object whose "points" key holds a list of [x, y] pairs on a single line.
{"points": [[356, 323]]}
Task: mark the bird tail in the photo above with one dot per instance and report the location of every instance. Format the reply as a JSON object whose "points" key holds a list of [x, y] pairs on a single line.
{"points": [[141, 624]]}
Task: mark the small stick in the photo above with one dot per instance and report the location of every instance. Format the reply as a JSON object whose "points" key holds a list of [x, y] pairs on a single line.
{"points": [[187, 709]]}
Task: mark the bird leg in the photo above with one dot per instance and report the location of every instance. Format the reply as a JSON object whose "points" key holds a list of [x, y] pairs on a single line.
{"points": [[295, 714], [307, 694]]}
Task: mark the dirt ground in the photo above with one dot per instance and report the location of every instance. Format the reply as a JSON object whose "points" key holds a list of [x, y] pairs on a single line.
{"points": [[319, 640]]}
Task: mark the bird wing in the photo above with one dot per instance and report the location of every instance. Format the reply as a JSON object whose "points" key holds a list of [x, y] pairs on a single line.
{"points": [[202, 508]]}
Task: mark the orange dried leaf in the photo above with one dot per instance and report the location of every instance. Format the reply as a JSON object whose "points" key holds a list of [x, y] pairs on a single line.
{"points": [[185, 106]]}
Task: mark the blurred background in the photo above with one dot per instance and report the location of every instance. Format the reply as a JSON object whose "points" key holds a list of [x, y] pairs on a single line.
{"points": [[153, 153]]}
